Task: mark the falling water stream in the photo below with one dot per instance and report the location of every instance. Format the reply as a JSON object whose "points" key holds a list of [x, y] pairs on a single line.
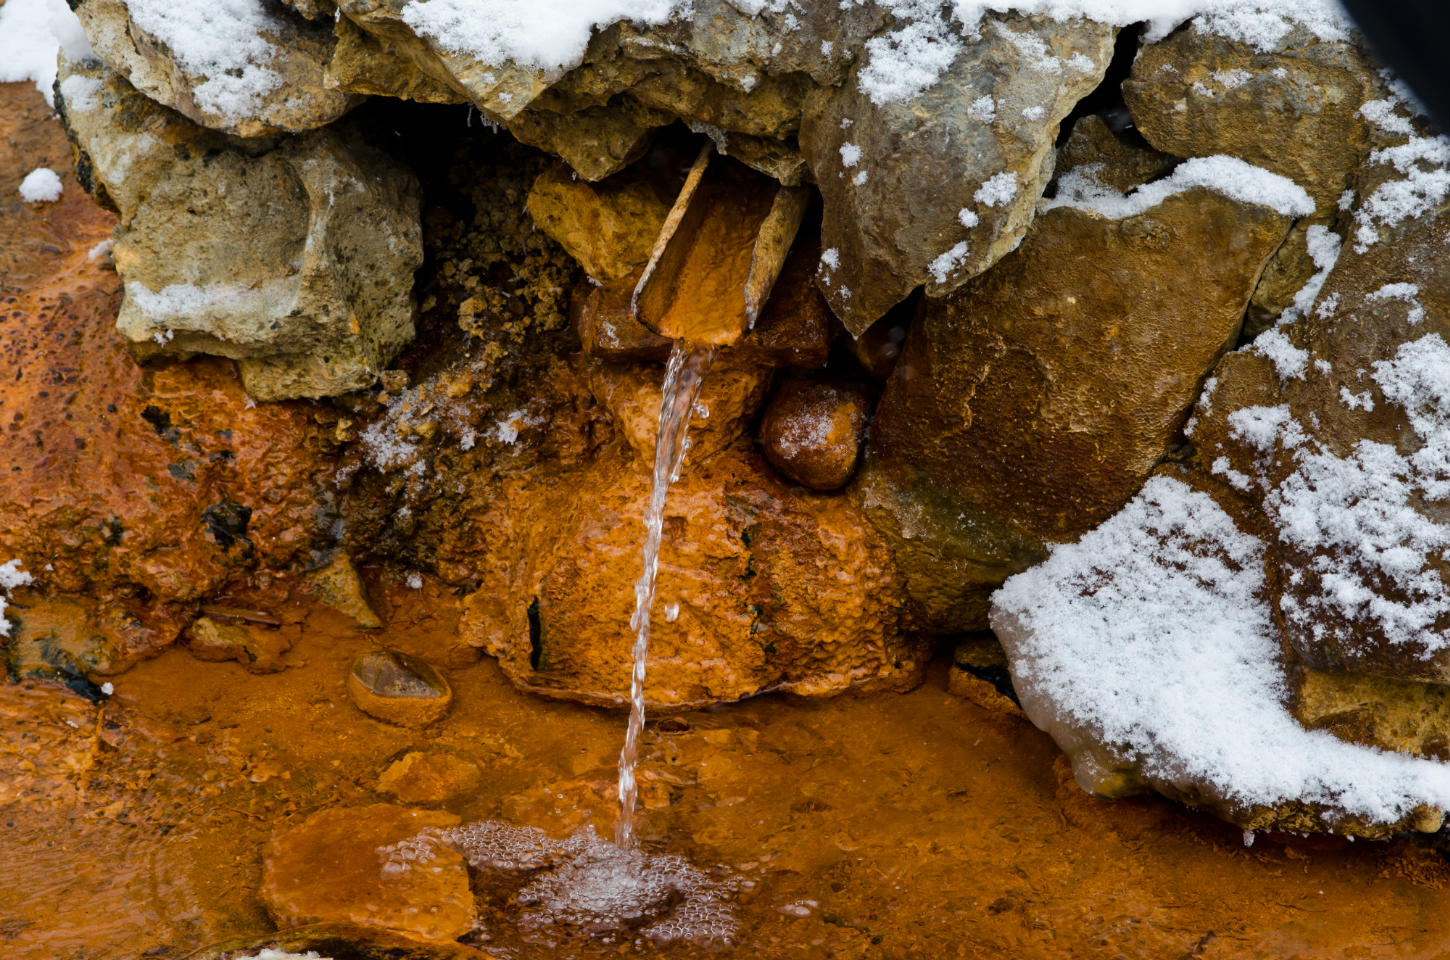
{"points": [[686, 370], [582, 881]]}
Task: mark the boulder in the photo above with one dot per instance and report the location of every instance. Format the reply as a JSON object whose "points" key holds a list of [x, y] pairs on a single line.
{"points": [[931, 186], [609, 227], [1292, 105], [299, 251], [1055, 383], [1261, 615], [245, 68]]}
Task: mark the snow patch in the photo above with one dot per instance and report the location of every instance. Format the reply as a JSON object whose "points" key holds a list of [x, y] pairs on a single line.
{"points": [[41, 185], [1080, 189]]}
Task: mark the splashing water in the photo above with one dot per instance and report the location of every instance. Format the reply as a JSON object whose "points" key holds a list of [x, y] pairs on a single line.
{"points": [[683, 375]]}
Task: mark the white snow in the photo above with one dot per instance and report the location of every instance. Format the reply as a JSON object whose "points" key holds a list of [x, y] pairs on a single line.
{"points": [[998, 191], [31, 33], [831, 258], [850, 155], [942, 266], [11, 576], [1152, 634], [1290, 361], [983, 109], [548, 35], [41, 185], [101, 249], [967, 218], [1265, 428], [222, 40], [1080, 189], [82, 94]]}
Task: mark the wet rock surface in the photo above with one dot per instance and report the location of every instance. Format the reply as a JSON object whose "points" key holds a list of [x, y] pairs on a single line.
{"points": [[329, 869], [398, 688], [812, 431]]}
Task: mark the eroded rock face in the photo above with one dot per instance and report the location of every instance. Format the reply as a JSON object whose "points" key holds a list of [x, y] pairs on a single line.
{"points": [[245, 69], [1053, 384], [934, 188], [750, 598], [299, 252]]}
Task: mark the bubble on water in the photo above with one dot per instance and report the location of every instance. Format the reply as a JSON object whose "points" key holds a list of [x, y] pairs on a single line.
{"points": [[586, 882]]}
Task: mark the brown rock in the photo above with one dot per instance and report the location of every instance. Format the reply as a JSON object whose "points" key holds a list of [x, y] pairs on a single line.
{"points": [[429, 778], [1052, 385], [1120, 158], [338, 586], [342, 866], [905, 183], [1405, 716], [399, 689], [609, 227], [1293, 109], [259, 650], [608, 330], [283, 79], [729, 397], [813, 430], [751, 596], [1330, 425]]}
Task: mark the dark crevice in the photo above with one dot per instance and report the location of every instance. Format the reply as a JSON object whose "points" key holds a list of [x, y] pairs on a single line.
{"points": [[536, 632], [1106, 99]]}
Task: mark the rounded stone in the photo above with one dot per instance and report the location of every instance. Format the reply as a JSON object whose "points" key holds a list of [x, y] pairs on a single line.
{"points": [[813, 430], [397, 688]]}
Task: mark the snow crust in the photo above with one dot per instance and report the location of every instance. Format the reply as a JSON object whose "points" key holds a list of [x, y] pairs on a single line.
{"points": [[31, 32], [1080, 188], [548, 35], [222, 40], [41, 185], [1152, 633]]}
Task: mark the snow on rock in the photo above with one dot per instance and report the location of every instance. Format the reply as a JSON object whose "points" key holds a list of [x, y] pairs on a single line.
{"points": [[41, 185], [31, 34], [1227, 175], [11, 576], [1150, 642], [546, 34]]}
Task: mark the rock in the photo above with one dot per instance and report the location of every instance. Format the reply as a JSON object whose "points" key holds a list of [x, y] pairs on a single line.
{"points": [[127, 470], [729, 397], [353, 943], [813, 430], [299, 252], [1334, 425], [245, 69], [1120, 158], [595, 142], [878, 348], [357, 866], [1053, 384], [608, 330], [429, 778], [397, 688], [55, 641], [750, 594], [935, 187], [1291, 105], [608, 227], [260, 651], [1312, 518], [1405, 716], [338, 586]]}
